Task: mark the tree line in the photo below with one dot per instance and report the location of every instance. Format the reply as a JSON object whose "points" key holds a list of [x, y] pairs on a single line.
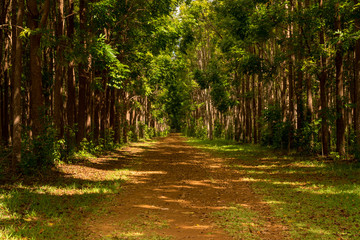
{"points": [[281, 73], [80, 70], [90, 73]]}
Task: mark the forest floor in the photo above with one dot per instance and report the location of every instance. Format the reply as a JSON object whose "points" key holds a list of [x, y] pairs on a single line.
{"points": [[175, 192]]}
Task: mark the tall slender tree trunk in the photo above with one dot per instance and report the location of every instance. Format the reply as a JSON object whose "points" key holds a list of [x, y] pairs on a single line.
{"points": [[290, 63], [340, 121], [248, 108], [16, 87], [82, 115], [5, 101], [323, 96], [96, 115], [310, 108], [357, 87], [104, 124], [243, 111], [254, 111], [59, 71], [71, 92], [37, 99], [291, 116]]}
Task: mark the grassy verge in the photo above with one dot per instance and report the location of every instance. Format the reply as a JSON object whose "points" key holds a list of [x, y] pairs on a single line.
{"points": [[239, 222], [52, 210], [316, 199], [54, 206]]}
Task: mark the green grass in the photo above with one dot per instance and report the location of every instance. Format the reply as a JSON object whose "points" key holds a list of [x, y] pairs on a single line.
{"points": [[316, 199], [53, 210], [239, 222]]}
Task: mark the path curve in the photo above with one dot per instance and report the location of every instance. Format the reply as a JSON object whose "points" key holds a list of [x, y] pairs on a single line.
{"points": [[180, 186]]}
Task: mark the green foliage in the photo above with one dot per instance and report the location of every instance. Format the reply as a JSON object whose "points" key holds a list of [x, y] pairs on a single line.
{"points": [[229, 134], [307, 139], [200, 129], [276, 131], [196, 129], [218, 130], [132, 134], [38, 154], [106, 59], [200, 79], [145, 132], [90, 148]]}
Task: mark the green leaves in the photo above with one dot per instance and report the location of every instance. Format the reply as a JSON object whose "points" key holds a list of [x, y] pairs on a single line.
{"points": [[106, 59]]}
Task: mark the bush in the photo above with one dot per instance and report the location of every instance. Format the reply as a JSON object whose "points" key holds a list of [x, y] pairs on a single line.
{"points": [[201, 132], [275, 132], [307, 139], [218, 130], [229, 135], [38, 153]]}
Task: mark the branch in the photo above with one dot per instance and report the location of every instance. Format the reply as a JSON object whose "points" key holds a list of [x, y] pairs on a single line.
{"points": [[7, 25]]}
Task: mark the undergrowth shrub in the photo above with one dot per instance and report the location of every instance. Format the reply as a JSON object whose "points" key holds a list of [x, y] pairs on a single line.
{"points": [[38, 153], [307, 140], [218, 130], [275, 131], [201, 131], [229, 134], [107, 142], [164, 132]]}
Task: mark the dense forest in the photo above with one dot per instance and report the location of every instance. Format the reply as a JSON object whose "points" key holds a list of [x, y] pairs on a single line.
{"points": [[93, 74]]}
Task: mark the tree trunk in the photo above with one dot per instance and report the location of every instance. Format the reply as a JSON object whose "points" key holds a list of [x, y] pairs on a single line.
{"points": [[340, 121], [323, 97], [16, 86], [59, 71], [291, 113], [37, 98], [5, 103], [254, 111], [248, 108], [357, 88], [71, 92], [82, 77], [96, 121]]}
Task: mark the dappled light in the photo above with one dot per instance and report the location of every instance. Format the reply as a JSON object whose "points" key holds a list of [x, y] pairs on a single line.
{"points": [[316, 199], [181, 185], [179, 119]]}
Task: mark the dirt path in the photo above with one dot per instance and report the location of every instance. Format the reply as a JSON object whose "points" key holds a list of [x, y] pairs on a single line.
{"points": [[173, 193]]}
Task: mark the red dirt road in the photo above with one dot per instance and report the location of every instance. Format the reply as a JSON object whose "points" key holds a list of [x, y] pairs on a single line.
{"points": [[173, 192]]}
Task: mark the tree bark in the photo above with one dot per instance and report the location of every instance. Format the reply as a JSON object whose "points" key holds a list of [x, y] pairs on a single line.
{"points": [[36, 22], [254, 119], [291, 60], [248, 109], [16, 87], [70, 78], [81, 134], [323, 96], [340, 121], [59, 70], [357, 87]]}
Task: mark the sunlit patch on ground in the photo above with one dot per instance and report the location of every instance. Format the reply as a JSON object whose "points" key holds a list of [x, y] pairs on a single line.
{"points": [[316, 199]]}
